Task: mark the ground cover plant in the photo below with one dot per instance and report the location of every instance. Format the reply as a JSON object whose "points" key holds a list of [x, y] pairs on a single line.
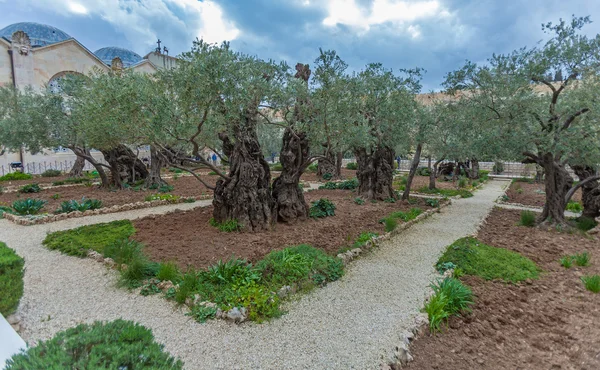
{"points": [[322, 208], [343, 185], [28, 206], [11, 280], [446, 192], [527, 218], [117, 344], [77, 242], [30, 188], [391, 221], [72, 180], [81, 206], [476, 258], [592, 283], [13, 176], [450, 297], [51, 173]]}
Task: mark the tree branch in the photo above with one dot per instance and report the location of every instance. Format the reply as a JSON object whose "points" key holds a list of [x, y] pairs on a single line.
{"points": [[572, 118], [576, 187]]}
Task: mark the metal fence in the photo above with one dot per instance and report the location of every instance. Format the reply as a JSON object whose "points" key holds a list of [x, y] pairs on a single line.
{"points": [[37, 168]]}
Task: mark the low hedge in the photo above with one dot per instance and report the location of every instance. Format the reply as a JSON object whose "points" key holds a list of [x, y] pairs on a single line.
{"points": [[11, 280], [118, 344]]}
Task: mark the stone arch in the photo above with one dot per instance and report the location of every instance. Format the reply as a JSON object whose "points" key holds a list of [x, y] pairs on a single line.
{"points": [[54, 84]]}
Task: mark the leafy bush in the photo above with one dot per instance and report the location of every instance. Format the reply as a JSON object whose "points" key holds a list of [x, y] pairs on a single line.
{"points": [[390, 224], [585, 223], [432, 202], [527, 218], [360, 201], [168, 197], [450, 297], [226, 226], [342, 185], [73, 205], [479, 259], [363, 238], [582, 259], [14, 176], [423, 171], [322, 208], [203, 313], [592, 283], [484, 175], [256, 298], [327, 176], [51, 173], [5, 209], [312, 168], [475, 184], [212, 173], [498, 168], [72, 180], [406, 216], [166, 188], [11, 280], [118, 344], [28, 206], [168, 271], [77, 242], [574, 206], [234, 270], [462, 182], [30, 188], [352, 166], [138, 270]]}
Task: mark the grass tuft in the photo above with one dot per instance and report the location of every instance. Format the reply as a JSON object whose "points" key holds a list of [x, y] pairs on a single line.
{"points": [[591, 283], [451, 297], [527, 219]]}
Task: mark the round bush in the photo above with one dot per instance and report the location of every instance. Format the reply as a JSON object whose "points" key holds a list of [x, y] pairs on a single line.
{"points": [[118, 344]]}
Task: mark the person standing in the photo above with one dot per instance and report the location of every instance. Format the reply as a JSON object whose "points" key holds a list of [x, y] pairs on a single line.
{"points": [[214, 159]]}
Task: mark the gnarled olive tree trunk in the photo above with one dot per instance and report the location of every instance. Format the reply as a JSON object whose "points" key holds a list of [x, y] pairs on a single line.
{"points": [[557, 183], [590, 191], [413, 170], [375, 173], [125, 166], [332, 164], [77, 169], [434, 173], [244, 194], [84, 153], [289, 198], [474, 171], [157, 162]]}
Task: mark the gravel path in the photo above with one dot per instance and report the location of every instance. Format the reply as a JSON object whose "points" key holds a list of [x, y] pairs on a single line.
{"points": [[533, 209], [350, 324]]}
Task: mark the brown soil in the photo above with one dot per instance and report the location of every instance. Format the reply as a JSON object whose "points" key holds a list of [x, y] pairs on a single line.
{"points": [[421, 181], [312, 176], [531, 194], [549, 323], [186, 186], [188, 239]]}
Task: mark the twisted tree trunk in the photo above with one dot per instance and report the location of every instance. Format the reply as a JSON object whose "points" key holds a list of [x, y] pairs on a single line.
{"points": [[590, 191], [474, 174], [125, 166], [84, 153], [413, 170], [157, 162], [244, 194], [288, 197], [332, 165], [77, 169], [433, 173], [375, 173], [557, 184]]}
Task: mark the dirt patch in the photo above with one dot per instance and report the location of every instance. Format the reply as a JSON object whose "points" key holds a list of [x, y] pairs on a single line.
{"points": [[186, 186], [550, 323], [312, 176], [188, 239], [531, 194], [421, 181]]}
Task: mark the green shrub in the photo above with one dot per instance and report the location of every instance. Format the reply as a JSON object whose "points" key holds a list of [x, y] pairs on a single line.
{"points": [[188, 285], [72, 180], [574, 206], [166, 188], [566, 261], [228, 272], [51, 173], [585, 223], [11, 280], [582, 259], [390, 224], [360, 201], [475, 184], [432, 202], [484, 175], [322, 208], [92, 174], [73, 205], [113, 345], [523, 179], [14, 176], [138, 270], [175, 170], [406, 216], [450, 298], [527, 218], [28, 206], [363, 238], [5, 209], [312, 168], [462, 182], [592, 283], [352, 166], [342, 185], [30, 188], [277, 167], [123, 251], [327, 176], [423, 171], [168, 271], [479, 259], [203, 313], [498, 168], [212, 173], [260, 302], [170, 198], [77, 242], [226, 226]]}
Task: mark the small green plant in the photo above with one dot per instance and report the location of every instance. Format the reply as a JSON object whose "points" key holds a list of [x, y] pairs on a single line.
{"points": [[123, 251], [166, 188], [168, 271], [322, 208], [11, 280], [277, 167], [73, 180], [390, 224], [463, 193], [51, 173], [450, 298], [175, 170], [30, 188], [423, 171], [582, 259], [591, 283], [462, 182], [432, 202], [505, 198], [443, 267], [484, 175], [360, 201], [498, 168], [203, 313], [15, 176], [117, 344], [212, 173], [55, 196], [585, 223], [170, 198], [475, 184], [312, 168], [566, 261], [73, 205], [363, 238], [28, 206], [327, 176], [527, 218], [352, 166], [226, 226], [342, 185], [389, 200], [519, 191]]}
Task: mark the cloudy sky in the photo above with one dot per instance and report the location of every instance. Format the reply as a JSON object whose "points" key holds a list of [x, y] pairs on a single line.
{"points": [[437, 35]]}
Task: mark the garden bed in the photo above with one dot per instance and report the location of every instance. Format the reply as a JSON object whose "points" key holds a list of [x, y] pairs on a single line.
{"points": [[530, 194], [189, 239], [550, 322]]}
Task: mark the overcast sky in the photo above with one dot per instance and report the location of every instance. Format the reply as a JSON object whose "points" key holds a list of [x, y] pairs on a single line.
{"points": [[437, 35]]}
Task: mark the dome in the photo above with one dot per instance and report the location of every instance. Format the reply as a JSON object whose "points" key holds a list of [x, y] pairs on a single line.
{"points": [[128, 57], [39, 34]]}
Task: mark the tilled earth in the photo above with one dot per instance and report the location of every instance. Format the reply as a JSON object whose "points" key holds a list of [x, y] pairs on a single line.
{"points": [[531, 194], [549, 323]]}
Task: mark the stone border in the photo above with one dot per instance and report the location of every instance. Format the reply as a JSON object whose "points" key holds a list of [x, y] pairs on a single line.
{"points": [[240, 314], [42, 219]]}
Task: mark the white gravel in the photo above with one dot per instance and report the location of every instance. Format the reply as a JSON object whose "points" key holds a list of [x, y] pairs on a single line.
{"points": [[350, 324]]}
